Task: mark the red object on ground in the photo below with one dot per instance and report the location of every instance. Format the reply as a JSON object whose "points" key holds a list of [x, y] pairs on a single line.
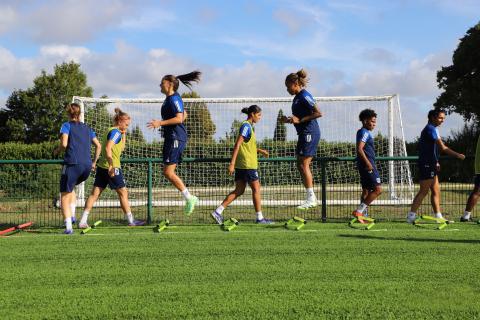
{"points": [[18, 227]]}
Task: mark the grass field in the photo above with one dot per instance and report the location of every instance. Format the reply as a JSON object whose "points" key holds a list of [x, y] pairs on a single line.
{"points": [[394, 271]]}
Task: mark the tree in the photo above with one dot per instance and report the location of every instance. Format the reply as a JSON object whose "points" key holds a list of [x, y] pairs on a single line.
{"points": [[280, 133], [137, 135], [461, 80], [199, 123], [35, 114], [232, 135]]}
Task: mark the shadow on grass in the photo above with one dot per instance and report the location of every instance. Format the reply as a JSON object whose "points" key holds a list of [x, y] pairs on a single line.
{"points": [[369, 237]]}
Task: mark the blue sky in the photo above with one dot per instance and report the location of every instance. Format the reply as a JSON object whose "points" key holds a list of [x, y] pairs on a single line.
{"points": [[245, 48]]}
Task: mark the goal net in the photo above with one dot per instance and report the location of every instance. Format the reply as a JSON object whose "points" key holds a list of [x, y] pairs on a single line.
{"points": [[212, 126]]}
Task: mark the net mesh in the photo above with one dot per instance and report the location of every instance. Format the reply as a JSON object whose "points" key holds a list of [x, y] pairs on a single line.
{"points": [[212, 126]]}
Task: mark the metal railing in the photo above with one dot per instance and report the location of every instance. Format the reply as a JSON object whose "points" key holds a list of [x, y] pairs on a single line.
{"points": [[29, 192]]}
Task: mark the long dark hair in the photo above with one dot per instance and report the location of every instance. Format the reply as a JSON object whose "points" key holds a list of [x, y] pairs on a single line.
{"points": [[252, 109], [186, 79]]}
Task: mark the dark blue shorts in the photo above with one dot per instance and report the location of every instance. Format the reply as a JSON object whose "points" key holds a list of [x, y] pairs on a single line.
{"points": [[72, 175], [172, 151], [102, 179], [477, 181], [307, 145], [369, 179], [427, 171], [247, 175]]}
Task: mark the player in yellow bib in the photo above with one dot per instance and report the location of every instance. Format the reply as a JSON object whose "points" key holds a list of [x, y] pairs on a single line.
{"points": [[109, 171], [475, 194], [244, 164]]}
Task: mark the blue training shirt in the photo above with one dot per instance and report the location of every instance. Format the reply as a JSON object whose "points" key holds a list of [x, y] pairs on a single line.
{"points": [[365, 135], [427, 146], [246, 131], [171, 106], [302, 106], [80, 138]]}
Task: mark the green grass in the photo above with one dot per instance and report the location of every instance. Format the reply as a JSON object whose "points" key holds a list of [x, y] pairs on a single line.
{"points": [[394, 271]]}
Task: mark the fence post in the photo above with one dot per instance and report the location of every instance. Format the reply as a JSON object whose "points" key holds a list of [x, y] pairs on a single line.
{"points": [[323, 163], [149, 200]]}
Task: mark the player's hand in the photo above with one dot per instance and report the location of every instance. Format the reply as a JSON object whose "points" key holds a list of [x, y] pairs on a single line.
{"points": [[461, 156], [154, 124], [94, 166], [369, 168], [111, 171], [231, 169], [294, 120], [263, 152]]}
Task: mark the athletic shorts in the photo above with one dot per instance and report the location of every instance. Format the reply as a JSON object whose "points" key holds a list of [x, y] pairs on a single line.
{"points": [[477, 181], [247, 175], [172, 151], [369, 179], [427, 171], [102, 179], [307, 145], [72, 175]]}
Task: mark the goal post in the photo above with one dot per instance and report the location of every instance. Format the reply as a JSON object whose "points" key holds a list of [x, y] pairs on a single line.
{"points": [[212, 125]]}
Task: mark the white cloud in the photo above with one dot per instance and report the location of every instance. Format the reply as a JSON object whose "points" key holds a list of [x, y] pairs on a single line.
{"points": [[8, 18], [64, 52]]}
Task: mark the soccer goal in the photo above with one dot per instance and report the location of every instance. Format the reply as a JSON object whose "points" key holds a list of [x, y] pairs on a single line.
{"points": [[212, 125]]}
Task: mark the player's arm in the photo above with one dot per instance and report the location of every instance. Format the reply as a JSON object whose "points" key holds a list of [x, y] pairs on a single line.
{"points": [[361, 154], [263, 152], [444, 149], [108, 153], [236, 148], [178, 119], [98, 150], [63, 144], [316, 113]]}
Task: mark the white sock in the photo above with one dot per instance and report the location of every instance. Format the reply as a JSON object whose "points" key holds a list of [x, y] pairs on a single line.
{"points": [[438, 215], [310, 194], [84, 219], [259, 215], [186, 194], [73, 206], [129, 216], [466, 215], [220, 209], [362, 207], [68, 223], [411, 214]]}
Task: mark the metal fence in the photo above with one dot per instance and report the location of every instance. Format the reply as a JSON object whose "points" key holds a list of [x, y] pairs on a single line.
{"points": [[29, 192]]}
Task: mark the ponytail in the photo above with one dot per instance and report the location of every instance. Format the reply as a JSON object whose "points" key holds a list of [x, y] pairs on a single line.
{"points": [[74, 110], [299, 77], [186, 79], [119, 115], [252, 109]]}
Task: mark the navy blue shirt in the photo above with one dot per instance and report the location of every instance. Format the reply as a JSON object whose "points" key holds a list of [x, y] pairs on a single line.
{"points": [[80, 138], [303, 105], [364, 135], [427, 146], [171, 106]]}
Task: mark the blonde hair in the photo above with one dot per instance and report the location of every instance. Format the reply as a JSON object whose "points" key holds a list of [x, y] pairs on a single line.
{"points": [[120, 115], [299, 77], [73, 110]]}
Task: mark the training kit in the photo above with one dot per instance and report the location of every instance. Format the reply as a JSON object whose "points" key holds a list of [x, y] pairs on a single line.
{"points": [[295, 223], [93, 226]]}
